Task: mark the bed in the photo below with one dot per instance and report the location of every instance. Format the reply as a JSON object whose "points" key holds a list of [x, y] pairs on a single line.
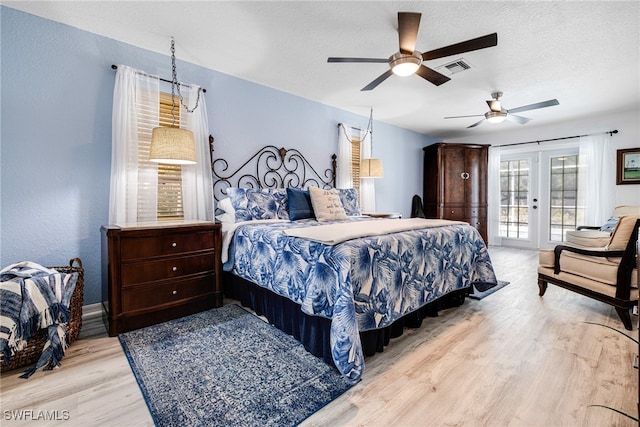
{"points": [[341, 283]]}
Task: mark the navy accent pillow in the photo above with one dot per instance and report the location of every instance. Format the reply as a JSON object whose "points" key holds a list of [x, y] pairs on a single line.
{"points": [[299, 204]]}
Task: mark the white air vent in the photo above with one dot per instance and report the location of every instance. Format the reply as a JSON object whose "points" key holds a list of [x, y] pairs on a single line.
{"points": [[454, 67]]}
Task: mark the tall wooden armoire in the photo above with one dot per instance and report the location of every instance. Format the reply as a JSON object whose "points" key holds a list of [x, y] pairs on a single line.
{"points": [[455, 183]]}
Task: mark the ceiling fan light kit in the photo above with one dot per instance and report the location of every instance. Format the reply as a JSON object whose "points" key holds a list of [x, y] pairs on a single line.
{"points": [[409, 61], [495, 116], [403, 64]]}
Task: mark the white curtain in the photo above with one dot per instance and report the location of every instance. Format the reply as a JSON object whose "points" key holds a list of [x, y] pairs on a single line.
{"points": [[343, 174], [367, 185], [197, 182], [493, 196], [133, 90], [596, 178], [133, 194]]}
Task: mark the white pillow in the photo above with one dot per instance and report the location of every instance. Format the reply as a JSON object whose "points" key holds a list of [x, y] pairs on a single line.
{"points": [[327, 205], [229, 214]]}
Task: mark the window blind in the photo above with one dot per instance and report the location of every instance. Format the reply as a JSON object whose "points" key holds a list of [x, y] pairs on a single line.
{"points": [[166, 202], [355, 162]]}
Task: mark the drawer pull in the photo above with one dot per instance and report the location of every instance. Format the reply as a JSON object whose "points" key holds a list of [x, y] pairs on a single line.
{"points": [[174, 269], [174, 244], [464, 175], [174, 292]]}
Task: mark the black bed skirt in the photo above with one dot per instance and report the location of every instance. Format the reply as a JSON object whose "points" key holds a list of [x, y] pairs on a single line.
{"points": [[313, 331]]}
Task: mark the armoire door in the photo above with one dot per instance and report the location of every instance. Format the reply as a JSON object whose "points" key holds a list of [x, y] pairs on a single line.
{"points": [[455, 183]]}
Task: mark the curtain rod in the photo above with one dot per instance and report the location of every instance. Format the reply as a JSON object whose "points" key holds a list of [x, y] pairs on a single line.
{"points": [[115, 67], [342, 124], [611, 133]]}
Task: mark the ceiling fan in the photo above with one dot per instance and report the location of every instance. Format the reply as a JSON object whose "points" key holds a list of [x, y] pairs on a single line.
{"points": [[497, 114], [409, 61]]}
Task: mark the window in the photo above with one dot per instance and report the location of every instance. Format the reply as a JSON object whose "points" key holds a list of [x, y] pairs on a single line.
{"points": [[564, 210], [169, 196], [514, 195], [355, 163]]}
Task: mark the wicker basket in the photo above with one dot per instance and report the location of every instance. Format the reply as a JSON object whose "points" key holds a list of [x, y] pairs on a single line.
{"points": [[33, 348]]}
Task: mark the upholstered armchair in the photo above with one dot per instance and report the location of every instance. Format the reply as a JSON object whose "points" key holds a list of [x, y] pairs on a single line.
{"points": [[607, 274]]}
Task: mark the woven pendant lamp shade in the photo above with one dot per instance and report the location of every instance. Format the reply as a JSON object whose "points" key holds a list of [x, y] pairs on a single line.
{"points": [[172, 145], [371, 168]]}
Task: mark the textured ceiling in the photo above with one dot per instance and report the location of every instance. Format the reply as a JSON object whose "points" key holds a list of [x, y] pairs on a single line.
{"points": [[585, 54]]}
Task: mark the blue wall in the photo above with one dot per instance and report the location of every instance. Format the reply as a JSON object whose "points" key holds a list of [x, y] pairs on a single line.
{"points": [[55, 147]]}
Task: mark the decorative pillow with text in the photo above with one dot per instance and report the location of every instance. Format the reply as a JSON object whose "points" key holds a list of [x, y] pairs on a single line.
{"points": [[327, 205]]}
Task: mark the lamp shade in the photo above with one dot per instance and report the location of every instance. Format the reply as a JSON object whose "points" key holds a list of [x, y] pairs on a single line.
{"points": [[371, 168], [172, 145]]}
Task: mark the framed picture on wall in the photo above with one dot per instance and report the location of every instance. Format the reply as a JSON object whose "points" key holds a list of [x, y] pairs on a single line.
{"points": [[628, 166]]}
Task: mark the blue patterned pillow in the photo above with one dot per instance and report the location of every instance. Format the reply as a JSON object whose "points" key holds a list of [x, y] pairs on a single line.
{"points": [[610, 225], [349, 198], [251, 204], [299, 204]]}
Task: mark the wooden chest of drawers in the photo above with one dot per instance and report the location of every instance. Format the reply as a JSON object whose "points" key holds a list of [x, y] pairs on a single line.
{"points": [[157, 273]]}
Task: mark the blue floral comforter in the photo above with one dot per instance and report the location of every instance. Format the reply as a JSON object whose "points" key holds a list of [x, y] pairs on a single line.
{"points": [[360, 284]]}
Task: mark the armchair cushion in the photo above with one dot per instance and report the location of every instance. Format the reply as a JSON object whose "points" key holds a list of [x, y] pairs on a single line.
{"points": [[622, 233], [626, 210], [592, 285], [602, 269], [588, 238], [599, 237]]}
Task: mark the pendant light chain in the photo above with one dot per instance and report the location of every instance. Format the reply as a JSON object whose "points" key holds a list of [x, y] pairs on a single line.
{"points": [[174, 84]]}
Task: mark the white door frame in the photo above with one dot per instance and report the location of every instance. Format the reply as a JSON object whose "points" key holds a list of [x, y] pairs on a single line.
{"points": [[545, 191], [539, 185], [531, 242]]}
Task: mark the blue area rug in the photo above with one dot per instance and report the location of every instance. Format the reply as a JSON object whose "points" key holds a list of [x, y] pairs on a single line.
{"points": [[227, 367], [479, 295]]}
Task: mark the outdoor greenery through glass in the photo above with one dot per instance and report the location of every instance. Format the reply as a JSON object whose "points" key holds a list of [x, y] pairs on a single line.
{"points": [[563, 209], [514, 195]]}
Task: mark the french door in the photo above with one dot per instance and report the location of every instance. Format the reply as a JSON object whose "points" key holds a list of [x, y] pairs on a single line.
{"points": [[538, 197]]}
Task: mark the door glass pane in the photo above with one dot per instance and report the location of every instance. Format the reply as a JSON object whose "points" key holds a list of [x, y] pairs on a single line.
{"points": [[563, 196], [514, 198]]}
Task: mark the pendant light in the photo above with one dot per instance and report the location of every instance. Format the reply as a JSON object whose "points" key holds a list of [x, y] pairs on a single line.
{"points": [[170, 144], [370, 167]]}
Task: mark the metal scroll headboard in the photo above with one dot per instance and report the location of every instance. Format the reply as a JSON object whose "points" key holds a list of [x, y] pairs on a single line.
{"points": [[270, 167]]}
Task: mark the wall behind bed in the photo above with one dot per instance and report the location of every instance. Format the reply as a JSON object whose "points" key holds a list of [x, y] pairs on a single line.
{"points": [[55, 147]]}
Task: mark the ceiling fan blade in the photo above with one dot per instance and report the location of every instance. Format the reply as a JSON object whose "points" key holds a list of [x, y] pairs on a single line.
{"points": [[462, 47], [408, 25], [518, 119], [462, 117], [376, 60], [431, 75], [475, 124], [494, 105], [384, 76], [549, 103]]}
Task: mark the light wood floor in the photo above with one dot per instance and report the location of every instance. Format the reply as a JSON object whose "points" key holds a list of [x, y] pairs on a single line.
{"points": [[511, 359]]}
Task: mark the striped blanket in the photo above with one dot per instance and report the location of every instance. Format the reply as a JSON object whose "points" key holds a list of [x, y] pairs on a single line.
{"points": [[32, 298]]}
